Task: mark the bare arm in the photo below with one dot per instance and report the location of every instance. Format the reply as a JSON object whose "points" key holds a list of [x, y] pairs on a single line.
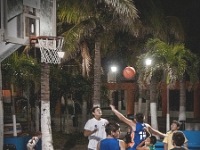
{"points": [[122, 118], [122, 145], [98, 146], [88, 132], [140, 146], [186, 144], [154, 131], [165, 146]]}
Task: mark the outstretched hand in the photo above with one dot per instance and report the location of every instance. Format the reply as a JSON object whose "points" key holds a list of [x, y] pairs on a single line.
{"points": [[112, 107], [147, 130]]}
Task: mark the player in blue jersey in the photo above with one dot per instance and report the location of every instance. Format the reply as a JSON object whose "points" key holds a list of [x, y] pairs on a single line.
{"points": [[111, 142], [138, 127]]}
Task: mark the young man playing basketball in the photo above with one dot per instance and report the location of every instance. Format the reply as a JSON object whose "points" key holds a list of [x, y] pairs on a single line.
{"points": [[138, 127]]}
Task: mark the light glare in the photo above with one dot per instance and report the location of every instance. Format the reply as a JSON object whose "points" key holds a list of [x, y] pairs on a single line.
{"points": [[114, 69], [148, 62]]}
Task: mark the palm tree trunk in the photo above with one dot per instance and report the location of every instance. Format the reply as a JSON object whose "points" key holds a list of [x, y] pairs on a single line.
{"points": [[13, 111], [135, 107], [140, 97], [182, 115], [84, 112], [153, 105], [97, 73], [147, 111], [147, 103], [67, 116], [168, 115], [1, 113], [28, 107], [45, 109], [37, 118]]}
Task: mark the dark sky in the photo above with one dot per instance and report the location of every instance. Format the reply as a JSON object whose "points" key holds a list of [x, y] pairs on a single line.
{"points": [[189, 13]]}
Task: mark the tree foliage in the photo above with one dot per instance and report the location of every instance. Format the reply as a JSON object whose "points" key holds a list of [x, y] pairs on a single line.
{"points": [[21, 70], [173, 59]]}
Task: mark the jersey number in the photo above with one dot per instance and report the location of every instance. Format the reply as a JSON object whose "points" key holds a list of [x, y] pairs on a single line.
{"points": [[142, 135]]}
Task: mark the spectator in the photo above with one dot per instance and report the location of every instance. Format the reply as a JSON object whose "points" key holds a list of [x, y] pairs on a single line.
{"points": [[178, 140], [94, 128], [111, 142], [147, 144], [175, 125], [32, 143], [129, 137]]}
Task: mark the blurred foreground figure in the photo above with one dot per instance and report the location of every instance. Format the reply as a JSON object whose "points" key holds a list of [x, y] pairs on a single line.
{"points": [[32, 143]]}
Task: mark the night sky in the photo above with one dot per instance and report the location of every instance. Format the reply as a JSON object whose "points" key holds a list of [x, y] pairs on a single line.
{"points": [[188, 11]]}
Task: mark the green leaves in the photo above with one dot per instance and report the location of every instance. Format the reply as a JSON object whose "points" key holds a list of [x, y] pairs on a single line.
{"points": [[86, 17], [20, 70], [175, 60]]}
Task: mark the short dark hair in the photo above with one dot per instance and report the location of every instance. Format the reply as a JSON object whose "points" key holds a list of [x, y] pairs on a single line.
{"points": [[178, 138], [111, 126], [38, 133], [139, 117], [94, 108], [177, 123], [153, 140]]}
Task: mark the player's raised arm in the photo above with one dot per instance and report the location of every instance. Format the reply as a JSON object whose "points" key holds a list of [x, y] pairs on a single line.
{"points": [[122, 117], [154, 131]]}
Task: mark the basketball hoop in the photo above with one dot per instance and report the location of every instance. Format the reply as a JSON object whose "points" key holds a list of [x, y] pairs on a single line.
{"points": [[50, 48]]}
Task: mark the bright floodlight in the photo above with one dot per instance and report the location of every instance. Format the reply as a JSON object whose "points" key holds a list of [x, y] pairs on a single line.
{"points": [[61, 54], [148, 62], [114, 69]]}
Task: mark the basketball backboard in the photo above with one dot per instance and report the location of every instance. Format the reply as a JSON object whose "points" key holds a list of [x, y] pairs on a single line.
{"points": [[25, 18]]}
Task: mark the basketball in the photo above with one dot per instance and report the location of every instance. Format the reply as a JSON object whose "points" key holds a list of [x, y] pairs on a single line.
{"points": [[129, 72]]}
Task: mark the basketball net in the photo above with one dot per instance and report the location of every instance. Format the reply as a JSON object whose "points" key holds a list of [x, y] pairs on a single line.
{"points": [[49, 49]]}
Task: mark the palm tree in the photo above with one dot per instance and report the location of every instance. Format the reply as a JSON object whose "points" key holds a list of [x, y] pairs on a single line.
{"points": [[46, 58], [174, 59], [192, 69], [155, 24], [95, 20], [18, 71], [45, 108]]}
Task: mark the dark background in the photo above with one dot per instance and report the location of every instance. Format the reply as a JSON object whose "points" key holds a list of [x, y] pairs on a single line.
{"points": [[188, 11]]}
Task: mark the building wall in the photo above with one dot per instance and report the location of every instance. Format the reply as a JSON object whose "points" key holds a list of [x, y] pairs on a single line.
{"points": [[130, 94], [130, 88]]}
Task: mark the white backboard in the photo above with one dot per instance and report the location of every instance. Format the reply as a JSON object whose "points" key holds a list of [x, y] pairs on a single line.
{"points": [[24, 18], [32, 3]]}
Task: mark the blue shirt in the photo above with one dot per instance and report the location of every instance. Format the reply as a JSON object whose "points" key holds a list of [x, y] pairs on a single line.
{"points": [[109, 144], [139, 134]]}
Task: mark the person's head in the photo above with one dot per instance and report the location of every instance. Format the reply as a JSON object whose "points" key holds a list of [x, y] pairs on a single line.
{"points": [[178, 138], [175, 125], [96, 112], [113, 129], [151, 140], [38, 134], [139, 117]]}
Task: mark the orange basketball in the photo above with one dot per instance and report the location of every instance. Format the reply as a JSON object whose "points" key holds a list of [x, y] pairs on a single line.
{"points": [[129, 72]]}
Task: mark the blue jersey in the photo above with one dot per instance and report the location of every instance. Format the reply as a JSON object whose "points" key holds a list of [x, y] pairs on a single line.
{"points": [[139, 135], [109, 144]]}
